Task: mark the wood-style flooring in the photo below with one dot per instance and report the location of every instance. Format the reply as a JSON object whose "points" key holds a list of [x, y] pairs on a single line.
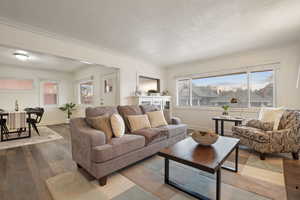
{"points": [[23, 172]]}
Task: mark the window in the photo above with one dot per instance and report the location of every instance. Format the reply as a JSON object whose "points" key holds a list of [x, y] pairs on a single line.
{"points": [[183, 88], [50, 92], [261, 92], [253, 89], [86, 92], [15, 84]]}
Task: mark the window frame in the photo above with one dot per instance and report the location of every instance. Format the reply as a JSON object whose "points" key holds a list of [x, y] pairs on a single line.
{"points": [[79, 91], [248, 72], [19, 90], [42, 103]]}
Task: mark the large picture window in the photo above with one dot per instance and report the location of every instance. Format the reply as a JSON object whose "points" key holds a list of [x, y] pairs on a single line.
{"points": [[250, 89], [86, 92]]}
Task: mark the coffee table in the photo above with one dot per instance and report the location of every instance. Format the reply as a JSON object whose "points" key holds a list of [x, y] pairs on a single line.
{"points": [[206, 158]]}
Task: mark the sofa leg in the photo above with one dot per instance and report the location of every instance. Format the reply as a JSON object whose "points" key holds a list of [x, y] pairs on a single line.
{"points": [[102, 181], [262, 156], [78, 166], [295, 155]]}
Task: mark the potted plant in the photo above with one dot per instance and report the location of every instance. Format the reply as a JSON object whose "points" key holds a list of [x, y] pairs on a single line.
{"points": [[68, 108], [225, 109]]}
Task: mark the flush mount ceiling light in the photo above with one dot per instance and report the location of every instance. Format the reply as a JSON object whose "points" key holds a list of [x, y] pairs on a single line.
{"points": [[85, 62], [21, 55]]}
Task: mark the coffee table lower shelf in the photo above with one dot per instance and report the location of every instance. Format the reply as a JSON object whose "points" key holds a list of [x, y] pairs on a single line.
{"points": [[195, 194]]}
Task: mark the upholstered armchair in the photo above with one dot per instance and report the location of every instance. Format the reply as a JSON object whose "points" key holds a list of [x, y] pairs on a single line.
{"points": [[284, 140]]}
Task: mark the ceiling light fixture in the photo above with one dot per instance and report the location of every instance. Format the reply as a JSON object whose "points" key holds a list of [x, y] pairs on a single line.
{"points": [[85, 62], [21, 55]]}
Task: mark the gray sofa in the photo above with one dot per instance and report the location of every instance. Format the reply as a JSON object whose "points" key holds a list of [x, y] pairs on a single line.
{"points": [[91, 151]]}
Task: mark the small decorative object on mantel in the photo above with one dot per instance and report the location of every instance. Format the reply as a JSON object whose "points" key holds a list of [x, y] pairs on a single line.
{"points": [[205, 137], [68, 108], [225, 110], [165, 93], [16, 106], [153, 93], [138, 92]]}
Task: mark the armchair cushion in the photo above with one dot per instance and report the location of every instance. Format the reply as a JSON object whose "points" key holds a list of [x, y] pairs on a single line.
{"points": [[266, 126], [251, 133]]}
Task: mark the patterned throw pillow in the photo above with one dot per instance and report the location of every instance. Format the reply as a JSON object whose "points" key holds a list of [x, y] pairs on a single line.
{"points": [[266, 126], [101, 123]]}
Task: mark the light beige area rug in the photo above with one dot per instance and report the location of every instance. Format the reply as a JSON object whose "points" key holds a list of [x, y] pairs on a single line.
{"points": [[74, 186], [46, 135]]}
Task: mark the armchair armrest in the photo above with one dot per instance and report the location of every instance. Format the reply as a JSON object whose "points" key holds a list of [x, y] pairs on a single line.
{"points": [[175, 120], [83, 139]]}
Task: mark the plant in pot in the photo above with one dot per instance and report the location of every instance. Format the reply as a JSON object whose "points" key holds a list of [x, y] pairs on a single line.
{"points": [[68, 108], [225, 110]]}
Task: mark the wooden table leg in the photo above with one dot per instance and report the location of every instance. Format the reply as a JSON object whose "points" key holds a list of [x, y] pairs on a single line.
{"points": [[166, 170], [218, 185]]}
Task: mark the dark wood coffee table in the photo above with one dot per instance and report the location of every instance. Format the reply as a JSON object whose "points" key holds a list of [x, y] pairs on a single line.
{"points": [[206, 158]]}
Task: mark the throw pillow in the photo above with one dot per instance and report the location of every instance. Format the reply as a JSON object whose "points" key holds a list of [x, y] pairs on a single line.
{"points": [[118, 125], [157, 119], [138, 122], [271, 115], [266, 126], [101, 123]]}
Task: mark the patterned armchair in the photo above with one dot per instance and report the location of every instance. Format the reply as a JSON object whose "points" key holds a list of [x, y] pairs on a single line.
{"points": [[284, 140]]}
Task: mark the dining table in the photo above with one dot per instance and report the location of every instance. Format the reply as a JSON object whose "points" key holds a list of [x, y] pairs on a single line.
{"points": [[6, 135]]}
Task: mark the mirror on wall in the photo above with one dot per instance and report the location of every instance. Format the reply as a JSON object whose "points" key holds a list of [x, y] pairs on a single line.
{"points": [[34, 79], [147, 84]]}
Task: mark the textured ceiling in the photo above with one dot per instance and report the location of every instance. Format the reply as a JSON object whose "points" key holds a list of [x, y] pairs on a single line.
{"points": [[39, 61], [164, 32]]}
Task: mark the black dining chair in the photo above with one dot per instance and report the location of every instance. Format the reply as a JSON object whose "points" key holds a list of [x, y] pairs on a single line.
{"points": [[38, 112], [3, 123]]}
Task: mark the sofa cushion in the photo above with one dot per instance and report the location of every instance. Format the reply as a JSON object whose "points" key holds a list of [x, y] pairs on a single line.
{"points": [[152, 135], [100, 110], [173, 130], [251, 133], [149, 108], [129, 110], [157, 119], [101, 123], [117, 147], [138, 122], [118, 125]]}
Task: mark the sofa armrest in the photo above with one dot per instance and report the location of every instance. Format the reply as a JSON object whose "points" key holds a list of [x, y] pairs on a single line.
{"points": [[175, 120], [83, 139]]}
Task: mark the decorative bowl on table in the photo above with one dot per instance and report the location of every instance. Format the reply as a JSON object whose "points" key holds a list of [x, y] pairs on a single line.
{"points": [[205, 137]]}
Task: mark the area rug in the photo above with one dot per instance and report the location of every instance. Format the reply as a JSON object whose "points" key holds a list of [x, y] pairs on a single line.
{"points": [[46, 135], [74, 186], [145, 181]]}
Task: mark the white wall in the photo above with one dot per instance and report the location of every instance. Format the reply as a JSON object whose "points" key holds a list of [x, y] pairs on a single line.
{"points": [[31, 98], [287, 94], [85, 74], [29, 39]]}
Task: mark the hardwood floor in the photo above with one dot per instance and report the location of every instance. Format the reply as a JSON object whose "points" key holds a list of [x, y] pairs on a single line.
{"points": [[23, 171]]}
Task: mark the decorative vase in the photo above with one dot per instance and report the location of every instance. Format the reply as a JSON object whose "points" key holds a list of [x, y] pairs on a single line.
{"points": [[205, 137], [16, 106], [225, 113]]}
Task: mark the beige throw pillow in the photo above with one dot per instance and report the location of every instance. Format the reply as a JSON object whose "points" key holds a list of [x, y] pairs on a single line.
{"points": [[138, 122], [118, 125], [157, 118], [271, 115], [101, 123]]}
